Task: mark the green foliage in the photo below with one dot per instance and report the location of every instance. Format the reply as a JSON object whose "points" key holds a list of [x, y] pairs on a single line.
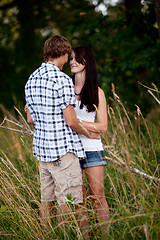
{"points": [[125, 43], [133, 56]]}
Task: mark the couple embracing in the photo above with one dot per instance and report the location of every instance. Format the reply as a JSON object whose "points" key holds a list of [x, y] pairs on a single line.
{"points": [[66, 137]]}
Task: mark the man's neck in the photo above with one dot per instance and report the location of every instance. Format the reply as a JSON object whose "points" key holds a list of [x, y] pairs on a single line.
{"points": [[54, 62]]}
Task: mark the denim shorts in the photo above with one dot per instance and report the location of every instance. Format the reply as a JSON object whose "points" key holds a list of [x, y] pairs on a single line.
{"points": [[93, 159]]}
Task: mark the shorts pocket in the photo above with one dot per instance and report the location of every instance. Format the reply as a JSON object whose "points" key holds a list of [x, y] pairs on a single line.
{"points": [[74, 179]]}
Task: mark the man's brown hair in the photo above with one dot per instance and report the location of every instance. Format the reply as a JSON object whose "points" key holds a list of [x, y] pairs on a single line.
{"points": [[56, 46]]}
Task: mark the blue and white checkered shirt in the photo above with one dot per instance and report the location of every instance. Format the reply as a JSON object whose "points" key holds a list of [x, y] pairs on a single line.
{"points": [[48, 91]]}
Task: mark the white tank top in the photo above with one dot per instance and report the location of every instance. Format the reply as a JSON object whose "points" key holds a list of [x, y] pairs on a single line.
{"points": [[88, 143]]}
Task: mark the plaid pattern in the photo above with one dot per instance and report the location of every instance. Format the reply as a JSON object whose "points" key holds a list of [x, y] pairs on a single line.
{"points": [[48, 91]]}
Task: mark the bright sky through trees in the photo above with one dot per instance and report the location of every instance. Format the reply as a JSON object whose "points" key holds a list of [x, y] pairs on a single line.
{"points": [[103, 6]]}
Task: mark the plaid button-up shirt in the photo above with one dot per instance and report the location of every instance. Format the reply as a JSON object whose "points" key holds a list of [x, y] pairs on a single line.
{"points": [[48, 91]]}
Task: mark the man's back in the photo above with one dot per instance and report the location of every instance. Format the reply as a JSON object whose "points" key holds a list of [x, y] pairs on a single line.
{"points": [[48, 92]]}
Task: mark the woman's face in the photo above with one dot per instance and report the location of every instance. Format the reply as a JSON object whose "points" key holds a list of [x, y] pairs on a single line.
{"points": [[74, 65]]}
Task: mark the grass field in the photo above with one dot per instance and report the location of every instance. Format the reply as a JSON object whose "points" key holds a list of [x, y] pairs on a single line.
{"points": [[132, 180]]}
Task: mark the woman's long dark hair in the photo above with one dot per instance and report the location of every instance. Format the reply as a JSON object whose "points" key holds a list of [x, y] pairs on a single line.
{"points": [[89, 92]]}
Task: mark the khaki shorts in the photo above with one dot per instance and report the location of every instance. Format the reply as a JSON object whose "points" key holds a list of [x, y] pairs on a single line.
{"points": [[61, 178]]}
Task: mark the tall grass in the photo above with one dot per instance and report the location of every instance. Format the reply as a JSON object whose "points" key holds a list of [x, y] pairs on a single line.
{"points": [[131, 142]]}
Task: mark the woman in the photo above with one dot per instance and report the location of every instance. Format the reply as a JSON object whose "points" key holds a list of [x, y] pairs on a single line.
{"points": [[91, 103]]}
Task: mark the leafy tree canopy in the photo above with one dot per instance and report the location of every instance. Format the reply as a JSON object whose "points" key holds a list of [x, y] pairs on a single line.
{"points": [[125, 43]]}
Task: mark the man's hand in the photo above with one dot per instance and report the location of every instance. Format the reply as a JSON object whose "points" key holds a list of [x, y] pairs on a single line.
{"points": [[73, 122], [94, 135], [29, 118]]}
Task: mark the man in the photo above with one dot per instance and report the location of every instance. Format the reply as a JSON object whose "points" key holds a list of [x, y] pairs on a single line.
{"points": [[50, 100]]}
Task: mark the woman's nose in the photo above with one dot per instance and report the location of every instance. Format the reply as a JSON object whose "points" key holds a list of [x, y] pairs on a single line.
{"points": [[71, 61]]}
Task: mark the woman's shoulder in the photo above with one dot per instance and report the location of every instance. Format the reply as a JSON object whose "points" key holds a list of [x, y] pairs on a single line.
{"points": [[100, 91], [101, 97]]}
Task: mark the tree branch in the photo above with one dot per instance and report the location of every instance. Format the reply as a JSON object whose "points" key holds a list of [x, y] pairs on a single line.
{"points": [[122, 164], [157, 10]]}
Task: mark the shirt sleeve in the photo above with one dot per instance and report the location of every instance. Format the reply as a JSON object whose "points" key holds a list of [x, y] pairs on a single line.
{"points": [[29, 100], [66, 93]]}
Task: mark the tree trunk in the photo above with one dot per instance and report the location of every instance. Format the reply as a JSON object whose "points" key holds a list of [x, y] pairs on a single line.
{"points": [[157, 10], [134, 16], [133, 8]]}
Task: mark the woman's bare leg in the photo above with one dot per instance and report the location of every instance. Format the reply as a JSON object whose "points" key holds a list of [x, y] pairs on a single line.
{"points": [[95, 178]]}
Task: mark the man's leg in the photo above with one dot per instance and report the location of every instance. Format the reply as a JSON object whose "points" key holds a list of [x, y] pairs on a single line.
{"points": [[47, 211], [79, 215], [84, 213], [47, 207], [69, 183]]}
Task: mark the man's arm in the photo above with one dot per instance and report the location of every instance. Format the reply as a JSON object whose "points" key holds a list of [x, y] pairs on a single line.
{"points": [[73, 122], [100, 126]]}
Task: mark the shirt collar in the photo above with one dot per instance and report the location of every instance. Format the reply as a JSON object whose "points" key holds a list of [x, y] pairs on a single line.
{"points": [[50, 65]]}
